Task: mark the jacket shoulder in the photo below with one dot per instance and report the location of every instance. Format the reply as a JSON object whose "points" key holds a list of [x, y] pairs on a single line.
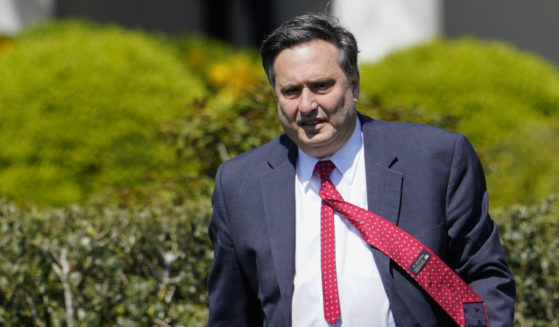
{"points": [[259, 160], [406, 130]]}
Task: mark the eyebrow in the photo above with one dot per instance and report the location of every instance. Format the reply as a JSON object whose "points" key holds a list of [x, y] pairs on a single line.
{"points": [[326, 80], [289, 87], [321, 80]]}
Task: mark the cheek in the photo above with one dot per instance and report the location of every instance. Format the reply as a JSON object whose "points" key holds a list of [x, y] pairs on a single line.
{"points": [[287, 110], [283, 118], [335, 105], [340, 111]]}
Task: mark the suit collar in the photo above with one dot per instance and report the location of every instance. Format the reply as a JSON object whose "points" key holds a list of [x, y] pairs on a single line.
{"points": [[278, 192], [384, 182], [377, 143], [284, 153]]}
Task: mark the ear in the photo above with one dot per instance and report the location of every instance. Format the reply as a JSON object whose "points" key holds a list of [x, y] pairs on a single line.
{"points": [[354, 86]]}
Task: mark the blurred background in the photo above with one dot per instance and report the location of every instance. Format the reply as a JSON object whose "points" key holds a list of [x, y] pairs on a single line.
{"points": [[115, 115], [380, 25]]}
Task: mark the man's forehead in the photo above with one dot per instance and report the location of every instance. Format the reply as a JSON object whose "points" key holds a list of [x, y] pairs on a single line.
{"points": [[306, 44], [308, 53]]}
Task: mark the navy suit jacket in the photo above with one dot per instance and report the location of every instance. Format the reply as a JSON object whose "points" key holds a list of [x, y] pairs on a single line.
{"points": [[426, 180]]}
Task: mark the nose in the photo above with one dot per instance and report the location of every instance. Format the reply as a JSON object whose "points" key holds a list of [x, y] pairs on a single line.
{"points": [[308, 101]]}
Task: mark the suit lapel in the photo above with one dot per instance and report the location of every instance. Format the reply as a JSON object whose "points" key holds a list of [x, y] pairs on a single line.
{"points": [[278, 192], [384, 186]]}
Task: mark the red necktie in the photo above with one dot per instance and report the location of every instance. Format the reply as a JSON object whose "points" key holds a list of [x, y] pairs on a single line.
{"points": [[452, 294], [328, 263]]}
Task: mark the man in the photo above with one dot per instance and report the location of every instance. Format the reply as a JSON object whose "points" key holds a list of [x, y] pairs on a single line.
{"points": [[271, 223]]}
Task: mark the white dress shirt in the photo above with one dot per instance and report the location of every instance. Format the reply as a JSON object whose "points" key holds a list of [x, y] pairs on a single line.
{"points": [[363, 301]]}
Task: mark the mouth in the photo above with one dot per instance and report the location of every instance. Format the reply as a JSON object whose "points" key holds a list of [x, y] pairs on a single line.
{"points": [[312, 123]]}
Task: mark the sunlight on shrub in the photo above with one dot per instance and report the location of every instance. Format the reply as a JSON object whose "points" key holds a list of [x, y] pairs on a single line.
{"points": [[504, 100], [81, 106], [529, 236]]}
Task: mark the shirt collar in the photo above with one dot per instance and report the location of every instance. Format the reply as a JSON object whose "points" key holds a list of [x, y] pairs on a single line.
{"points": [[345, 159]]}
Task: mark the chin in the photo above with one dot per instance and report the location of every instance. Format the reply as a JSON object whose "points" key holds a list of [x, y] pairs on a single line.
{"points": [[318, 150]]}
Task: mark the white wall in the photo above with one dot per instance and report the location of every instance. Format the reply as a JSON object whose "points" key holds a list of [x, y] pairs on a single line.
{"points": [[14, 14], [381, 26]]}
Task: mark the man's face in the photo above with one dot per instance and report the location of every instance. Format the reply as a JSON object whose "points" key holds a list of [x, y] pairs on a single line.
{"points": [[316, 101]]}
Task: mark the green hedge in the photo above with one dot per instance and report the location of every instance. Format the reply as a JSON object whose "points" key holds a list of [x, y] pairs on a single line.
{"points": [[506, 102], [81, 107], [104, 266], [148, 265], [139, 114], [529, 236]]}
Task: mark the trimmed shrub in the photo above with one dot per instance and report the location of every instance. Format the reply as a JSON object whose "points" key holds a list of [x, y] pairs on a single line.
{"points": [[239, 114], [104, 266], [220, 65], [505, 101], [529, 236], [99, 265], [81, 107]]}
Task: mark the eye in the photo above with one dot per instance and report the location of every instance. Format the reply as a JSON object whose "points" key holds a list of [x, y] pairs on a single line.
{"points": [[323, 86], [290, 92]]}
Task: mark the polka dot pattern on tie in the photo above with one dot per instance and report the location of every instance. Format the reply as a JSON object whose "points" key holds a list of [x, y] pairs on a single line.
{"points": [[434, 276]]}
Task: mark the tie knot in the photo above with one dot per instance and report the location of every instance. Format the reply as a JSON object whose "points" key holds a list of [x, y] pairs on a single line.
{"points": [[324, 169]]}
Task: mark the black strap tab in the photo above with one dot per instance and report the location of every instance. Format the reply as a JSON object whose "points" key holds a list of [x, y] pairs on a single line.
{"points": [[420, 262]]}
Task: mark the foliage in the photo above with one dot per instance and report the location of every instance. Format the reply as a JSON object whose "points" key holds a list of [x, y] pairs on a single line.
{"points": [[238, 115], [461, 85], [98, 265], [5, 44], [104, 266], [504, 100], [219, 64], [161, 135], [529, 236], [81, 106]]}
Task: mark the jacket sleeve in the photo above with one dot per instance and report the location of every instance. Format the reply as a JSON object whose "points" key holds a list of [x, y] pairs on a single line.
{"points": [[232, 303], [475, 251]]}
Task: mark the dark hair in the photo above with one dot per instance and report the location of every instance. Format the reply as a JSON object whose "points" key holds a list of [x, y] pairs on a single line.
{"points": [[306, 28]]}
